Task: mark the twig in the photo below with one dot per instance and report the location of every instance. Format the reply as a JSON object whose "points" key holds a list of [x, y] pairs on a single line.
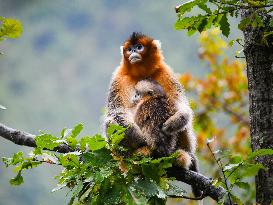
{"points": [[238, 116], [187, 197], [240, 57], [219, 163]]}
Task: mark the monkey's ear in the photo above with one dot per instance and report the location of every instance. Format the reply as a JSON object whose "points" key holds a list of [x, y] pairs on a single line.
{"points": [[157, 43], [121, 50]]}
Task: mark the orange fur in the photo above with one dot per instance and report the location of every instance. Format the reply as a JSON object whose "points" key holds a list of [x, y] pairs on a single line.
{"points": [[152, 66], [184, 159], [146, 151]]}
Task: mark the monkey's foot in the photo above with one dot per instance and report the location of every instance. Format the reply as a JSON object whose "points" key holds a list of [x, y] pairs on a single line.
{"points": [[146, 151], [184, 159]]}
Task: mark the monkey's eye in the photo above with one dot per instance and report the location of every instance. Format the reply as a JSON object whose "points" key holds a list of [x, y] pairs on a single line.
{"points": [[140, 47], [129, 49], [150, 93]]}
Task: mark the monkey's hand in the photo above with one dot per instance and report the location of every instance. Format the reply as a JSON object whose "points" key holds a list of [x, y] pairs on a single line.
{"points": [[135, 135], [176, 123]]}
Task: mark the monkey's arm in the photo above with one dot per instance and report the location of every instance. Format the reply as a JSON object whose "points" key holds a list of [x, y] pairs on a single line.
{"points": [[133, 133], [117, 115], [183, 116], [176, 122]]}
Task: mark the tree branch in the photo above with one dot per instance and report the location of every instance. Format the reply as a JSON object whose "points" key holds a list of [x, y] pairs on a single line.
{"points": [[189, 177], [238, 116], [199, 181], [26, 139]]}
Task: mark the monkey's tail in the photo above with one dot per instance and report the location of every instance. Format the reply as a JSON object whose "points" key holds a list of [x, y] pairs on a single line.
{"points": [[194, 167]]}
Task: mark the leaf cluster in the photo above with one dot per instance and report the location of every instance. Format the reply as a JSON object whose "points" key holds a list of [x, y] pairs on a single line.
{"points": [[217, 12], [95, 173], [236, 172]]}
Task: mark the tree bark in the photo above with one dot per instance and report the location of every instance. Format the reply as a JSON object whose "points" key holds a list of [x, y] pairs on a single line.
{"points": [[26, 139], [259, 59]]}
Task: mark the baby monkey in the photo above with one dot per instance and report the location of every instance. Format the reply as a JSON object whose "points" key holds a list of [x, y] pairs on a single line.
{"points": [[152, 109]]}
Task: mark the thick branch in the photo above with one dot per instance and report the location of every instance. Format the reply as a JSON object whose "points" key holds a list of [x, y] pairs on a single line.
{"points": [[26, 139], [199, 181], [189, 177]]}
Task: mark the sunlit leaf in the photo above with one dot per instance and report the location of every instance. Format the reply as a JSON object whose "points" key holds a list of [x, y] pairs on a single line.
{"points": [[260, 152], [10, 28]]}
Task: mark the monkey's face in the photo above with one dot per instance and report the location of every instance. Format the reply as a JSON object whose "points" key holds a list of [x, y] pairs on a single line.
{"points": [[134, 53], [140, 49]]}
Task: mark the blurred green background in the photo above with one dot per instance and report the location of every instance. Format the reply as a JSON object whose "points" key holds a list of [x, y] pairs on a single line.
{"points": [[57, 73]]}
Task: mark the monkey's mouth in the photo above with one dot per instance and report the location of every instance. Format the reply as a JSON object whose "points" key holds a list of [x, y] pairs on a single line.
{"points": [[134, 58]]}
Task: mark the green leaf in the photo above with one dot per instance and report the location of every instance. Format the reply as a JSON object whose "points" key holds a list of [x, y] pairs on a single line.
{"points": [[260, 152], [76, 130], [187, 7], [244, 23], [46, 141], [149, 187], [96, 142], [98, 158], [252, 170], [235, 159], [113, 128], [69, 159], [10, 28], [27, 165], [138, 198], [64, 132], [103, 173], [116, 134], [17, 180], [271, 22], [175, 189], [16, 159], [224, 25], [243, 185], [236, 199], [71, 141], [189, 22], [204, 7]]}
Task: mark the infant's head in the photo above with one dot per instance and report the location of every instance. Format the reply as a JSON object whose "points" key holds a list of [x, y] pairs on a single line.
{"points": [[146, 88]]}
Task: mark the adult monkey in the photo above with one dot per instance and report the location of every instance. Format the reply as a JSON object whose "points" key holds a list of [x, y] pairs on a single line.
{"points": [[142, 59]]}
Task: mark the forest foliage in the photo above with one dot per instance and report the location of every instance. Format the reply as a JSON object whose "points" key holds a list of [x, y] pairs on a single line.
{"points": [[216, 13]]}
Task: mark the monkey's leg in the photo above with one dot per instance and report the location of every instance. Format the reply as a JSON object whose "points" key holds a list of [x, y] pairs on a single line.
{"points": [[134, 136], [188, 160], [184, 159], [194, 167]]}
